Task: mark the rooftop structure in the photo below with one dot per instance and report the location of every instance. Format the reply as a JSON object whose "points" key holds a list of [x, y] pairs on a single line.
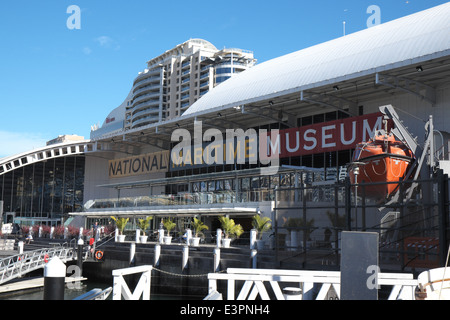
{"points": [[403, 43]]}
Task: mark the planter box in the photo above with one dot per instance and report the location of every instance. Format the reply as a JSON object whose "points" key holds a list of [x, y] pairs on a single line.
{"points": [[167, 240], [226, 243], [260, 244], [195, 242]]}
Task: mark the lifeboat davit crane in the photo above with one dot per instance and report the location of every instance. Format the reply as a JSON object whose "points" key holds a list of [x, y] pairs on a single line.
{"points": [[391, 157], [401, 156]]}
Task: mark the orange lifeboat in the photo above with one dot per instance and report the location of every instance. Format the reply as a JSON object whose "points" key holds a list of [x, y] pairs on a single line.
{"points": [[381, 159]]}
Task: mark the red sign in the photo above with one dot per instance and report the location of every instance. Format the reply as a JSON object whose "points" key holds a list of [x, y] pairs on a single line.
{"points": [[323, 137]]}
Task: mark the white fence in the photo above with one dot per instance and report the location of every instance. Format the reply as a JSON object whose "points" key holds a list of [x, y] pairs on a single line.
{"points": [[256, 282], [120, 287]]}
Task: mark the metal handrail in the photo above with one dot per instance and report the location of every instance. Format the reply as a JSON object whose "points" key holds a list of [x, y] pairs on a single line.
{"points": [[19, 264]]}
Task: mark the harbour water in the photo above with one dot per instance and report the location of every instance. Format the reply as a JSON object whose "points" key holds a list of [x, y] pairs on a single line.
{"points": [[72, 293]]}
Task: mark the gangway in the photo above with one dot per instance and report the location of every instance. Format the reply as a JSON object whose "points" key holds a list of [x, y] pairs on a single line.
{"points": [[17, 265]]}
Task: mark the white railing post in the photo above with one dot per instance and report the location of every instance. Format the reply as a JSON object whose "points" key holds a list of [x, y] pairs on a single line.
{"points": [[219, 238], [20, 247], [253, 234], [157, 254], [253, 256], [138, 234], [120, 287], [216, 259], [185, 258], [132, 252], [188, 236]]}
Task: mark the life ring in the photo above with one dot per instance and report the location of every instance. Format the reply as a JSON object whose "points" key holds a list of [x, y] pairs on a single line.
{"points": [[46, 258], [99, 255]]}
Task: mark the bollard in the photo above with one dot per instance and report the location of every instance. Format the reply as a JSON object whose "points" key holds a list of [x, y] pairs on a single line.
{"points": [[253, 234], [161, 235], [138, 234], [20, 247], [188, 236], [52, 230], [80, 244], [184, 264], [132, 252], [216, 259], [54, 279], [116, 235], [157, 254], [219, 238], [66, 232], [253, 256]]}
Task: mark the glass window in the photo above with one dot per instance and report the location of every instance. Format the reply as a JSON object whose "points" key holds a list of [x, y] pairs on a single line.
{"points": [[228, 184], [255, 183], [219, 185], [223, 70], [265, 182], [245, 184], [285, 179], [274, 181]]}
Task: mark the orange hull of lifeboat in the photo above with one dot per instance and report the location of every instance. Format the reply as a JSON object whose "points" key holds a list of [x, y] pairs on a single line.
{"points": [[382, 159]]}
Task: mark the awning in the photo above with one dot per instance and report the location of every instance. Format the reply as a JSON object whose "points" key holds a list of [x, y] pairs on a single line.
{"points": [[179, 212]]}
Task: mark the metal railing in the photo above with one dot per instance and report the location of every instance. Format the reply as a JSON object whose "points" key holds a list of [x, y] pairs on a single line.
{"points": [[414, 231], [257, 281], [20, 264]]}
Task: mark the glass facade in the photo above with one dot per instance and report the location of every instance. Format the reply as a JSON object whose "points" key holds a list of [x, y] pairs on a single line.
{"points": [[46, 190]]}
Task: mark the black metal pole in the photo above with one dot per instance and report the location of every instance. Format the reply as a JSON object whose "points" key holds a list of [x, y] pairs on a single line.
{"points": [[443, 221], [80, 256], [348, 203]]}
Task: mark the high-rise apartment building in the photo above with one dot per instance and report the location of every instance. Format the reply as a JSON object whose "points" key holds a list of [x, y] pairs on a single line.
{"points": [[172, 82]]}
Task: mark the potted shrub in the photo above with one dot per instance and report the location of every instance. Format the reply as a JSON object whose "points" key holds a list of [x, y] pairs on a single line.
{"points": [[299, 224], [198, 228], [261, 224], [46, 231], [169, 225], [120, 224], [143, 225], [59, 232], [230, 229]]}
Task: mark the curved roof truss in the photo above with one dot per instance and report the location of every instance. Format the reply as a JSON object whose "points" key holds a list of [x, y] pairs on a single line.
{"points": [[42, 154]]}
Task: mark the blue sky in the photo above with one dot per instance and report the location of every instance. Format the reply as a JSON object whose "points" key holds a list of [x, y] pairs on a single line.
{"points": [[55, 80]]}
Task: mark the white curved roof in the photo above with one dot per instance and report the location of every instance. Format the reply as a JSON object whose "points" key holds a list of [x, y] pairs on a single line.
{"points": [[397, 43]]}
